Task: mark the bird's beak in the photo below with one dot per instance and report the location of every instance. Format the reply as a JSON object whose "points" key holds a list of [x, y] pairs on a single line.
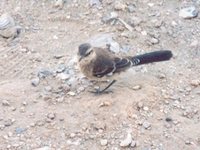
{"points": [[80, 58]]}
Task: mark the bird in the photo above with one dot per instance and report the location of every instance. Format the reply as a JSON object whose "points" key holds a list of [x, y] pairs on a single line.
{"points": [[100, 64]]}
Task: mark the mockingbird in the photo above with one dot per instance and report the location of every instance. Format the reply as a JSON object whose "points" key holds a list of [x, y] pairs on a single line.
{"points": [[101, 64]]}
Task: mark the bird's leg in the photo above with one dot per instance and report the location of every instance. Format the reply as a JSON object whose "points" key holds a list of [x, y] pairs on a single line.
{"points": [[109, 85], [98, 91]]}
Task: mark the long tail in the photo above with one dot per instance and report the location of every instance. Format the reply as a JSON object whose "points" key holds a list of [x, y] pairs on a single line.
{"points": [[152, 57]]}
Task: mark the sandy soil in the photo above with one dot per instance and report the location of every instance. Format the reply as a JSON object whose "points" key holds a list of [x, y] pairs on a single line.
{"points": [[163, 114]]}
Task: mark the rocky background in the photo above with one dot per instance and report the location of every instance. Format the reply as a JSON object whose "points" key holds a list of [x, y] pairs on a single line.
{"points": [[44, 99]]}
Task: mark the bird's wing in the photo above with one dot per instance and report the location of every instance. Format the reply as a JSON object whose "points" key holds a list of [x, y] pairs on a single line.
{"points": [[103, 66], [122, 64]]}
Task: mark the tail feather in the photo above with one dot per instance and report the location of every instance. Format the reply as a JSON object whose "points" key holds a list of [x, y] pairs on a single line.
{"points": [[152, 57]]}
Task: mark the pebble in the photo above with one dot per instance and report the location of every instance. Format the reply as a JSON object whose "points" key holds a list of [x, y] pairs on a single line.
{"points": [[48, 88], [51, 116], [131, 8], [80, 89], [59, 3], [145, 108], [72, 135], [126, 142], [195, 83], [5, 103], [161, 76], [110, 18], [105, 103], [146, 125], [119, 6], [8, 122], [140, 105], [137, 87], [71, 93], [135, 21], [168, 119], [194, 43], [63, 76], [24, 103], [154, 41], [35, 82], [104, 142], [188, 142], [43, 73], [95, 3], [39, 123], [188, 13], [19, 130], [133, 143], [44, 148], [61, 68]]}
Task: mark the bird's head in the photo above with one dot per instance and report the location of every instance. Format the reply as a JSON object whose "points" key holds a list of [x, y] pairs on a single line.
{"points": [[84, 50]]}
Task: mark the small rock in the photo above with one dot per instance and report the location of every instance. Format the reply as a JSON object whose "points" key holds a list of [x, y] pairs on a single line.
{"points": [[168, 119], [140, 105], [134, 21], [146, 125], [35, 82], [133, 143], [126, 48], [44, 148], [51, 116], [5, 103], [39, 123], [80, 89], [61, 68], [72, 135], [119, 6], [63, 76], [48, 88], [131, 8], [188, 142], [8, 122], [106, 103], [104, 142], [161, 76], [95, 3], [110, 18], [195, 83], [13, 108], [58, 56], [71, 93], [59, 3], [126, 142], [151, 4], [145, 108], [10, 134], [137, 87], [154, 41], [20, 130], [188, 13], [194, 43], [43, 73], [24, 103]]}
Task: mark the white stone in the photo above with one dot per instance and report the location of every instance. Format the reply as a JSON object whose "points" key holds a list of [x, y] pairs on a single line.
{"points": [[189, 12], [127, 141], [104, 142]]}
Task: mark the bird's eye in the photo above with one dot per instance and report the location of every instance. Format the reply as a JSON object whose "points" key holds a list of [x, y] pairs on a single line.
{"points": [[88, 53]]}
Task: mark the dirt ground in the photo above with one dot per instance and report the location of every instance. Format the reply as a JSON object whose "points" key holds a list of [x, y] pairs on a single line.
{"points": [[157, 104]]}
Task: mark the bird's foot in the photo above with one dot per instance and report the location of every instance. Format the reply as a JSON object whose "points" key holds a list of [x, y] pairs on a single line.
{"points": [[97, 91]]}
